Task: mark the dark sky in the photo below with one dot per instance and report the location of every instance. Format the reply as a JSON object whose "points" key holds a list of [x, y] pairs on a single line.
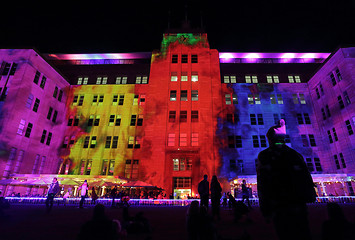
{"points": [[242, 26]]}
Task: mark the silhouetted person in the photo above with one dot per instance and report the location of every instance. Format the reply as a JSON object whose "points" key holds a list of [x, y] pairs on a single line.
{"points": [[52, 191], [204, 191], [284, 186], [337, 226], [84, 189], [99, 227], [216, 194], [94, 196], [245, 193], [193, 221], [113, 195]]}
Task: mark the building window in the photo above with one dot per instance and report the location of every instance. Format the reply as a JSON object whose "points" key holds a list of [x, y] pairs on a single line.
{"points": [[263, 141], [194, 77], [299, 118], [28, 130], [318, 165], [55, 93], [226, 79], [323, 114], [260, 119], [121, 100], [336, 161], [184, 58], [54, 119], [183, 95], [93, 142], [309, 164], [335, 135], [118, 120], [182, 182], [36, 105], [183, 116], [341, 103], [238, 141], [272, 99], [172, 95], [133, 120], [194, 139], [253, 119], [312, 140], [49, 114], [295, 78], [43, 137], [337, 72], [349, 127], [183, 139], [306, 118], [174, 77], [279, 99], [21, 126], [140, 120], [194, 116], [115, 142], [37, 75], [115, 100], [43, 82], [184, 77], [65, 141], [76, 121], [60, 95], [29, 100], [272, 79], [111, 121], [172, 116], [255, 141], [138, 79], [304, 140], [343, 164], [232, 165], [327, 110], [346, 97], [98, 80], [49, 138], [86, 142], [108, 142], [228, 99], [135, 100], [251, 79], [330, 137], [302, 98], [171, 139], [81, 100], [317, 92], [194, 58], [174, 58], [121, 80], [130, 142], [194, 95], [295, 99], [142, 99], [332, 78], [254, 99]]}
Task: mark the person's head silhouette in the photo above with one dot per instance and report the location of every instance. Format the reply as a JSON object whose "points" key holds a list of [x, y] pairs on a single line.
{"points": [[276, 134]]}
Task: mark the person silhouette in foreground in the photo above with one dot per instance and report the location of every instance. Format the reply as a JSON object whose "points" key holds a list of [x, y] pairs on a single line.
{"points": [[284, 186], [52, 191], [216, 194], [100, 227], [204, 191], [337, 226]]}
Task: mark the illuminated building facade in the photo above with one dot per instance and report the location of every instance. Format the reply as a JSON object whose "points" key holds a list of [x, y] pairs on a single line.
{"points": [[171, 116]]}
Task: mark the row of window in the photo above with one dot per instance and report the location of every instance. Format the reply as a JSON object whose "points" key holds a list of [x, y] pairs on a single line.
{"points": [[326, 111], [114, 120], [184, 77], [235, 141], [183, 139], [111, 142], [140, 79], [52, 114], [184, 58], [255, 99], [342, 161], [254, 79], [57, 93], [257, 119], [108, 166], [28, 131], [117, 99], [184, 95]]}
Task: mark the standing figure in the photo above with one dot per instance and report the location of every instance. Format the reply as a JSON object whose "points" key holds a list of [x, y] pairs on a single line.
{"points": [[94, 196], [245, 192], [113, 194], [216, 194], [52, 191], [284, 186], [84, 189], [204, 191]]}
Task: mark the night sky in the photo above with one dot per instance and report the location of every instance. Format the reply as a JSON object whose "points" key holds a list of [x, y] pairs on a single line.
{"points": [[137, 26]]}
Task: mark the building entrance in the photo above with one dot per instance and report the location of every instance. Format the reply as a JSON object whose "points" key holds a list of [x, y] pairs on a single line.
{"points": [[181, 193]]}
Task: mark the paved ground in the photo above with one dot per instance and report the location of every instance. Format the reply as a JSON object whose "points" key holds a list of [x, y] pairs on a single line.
{"points": [[31, 222]]}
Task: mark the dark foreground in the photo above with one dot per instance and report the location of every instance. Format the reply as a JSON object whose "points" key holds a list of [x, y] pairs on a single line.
{"points": [[31, 222]]}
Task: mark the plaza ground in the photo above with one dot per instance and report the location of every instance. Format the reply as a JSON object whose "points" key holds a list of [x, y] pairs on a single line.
{"points": [[31, 222]]}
